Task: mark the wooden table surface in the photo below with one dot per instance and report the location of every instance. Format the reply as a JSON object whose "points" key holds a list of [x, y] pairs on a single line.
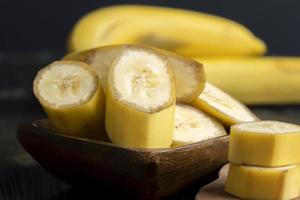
{"points": [[21, 178]]}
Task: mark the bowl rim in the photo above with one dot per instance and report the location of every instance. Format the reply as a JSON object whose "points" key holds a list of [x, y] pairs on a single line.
{"points": [[35, 127]]}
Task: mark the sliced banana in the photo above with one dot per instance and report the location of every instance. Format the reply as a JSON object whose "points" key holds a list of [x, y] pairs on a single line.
{"points": [[189, 74], [222, 106], [192, 125], [250, 182], [72, 98], [140, 100], [264, 143]]}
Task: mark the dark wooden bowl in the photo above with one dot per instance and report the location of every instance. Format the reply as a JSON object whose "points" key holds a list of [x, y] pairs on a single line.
{"points": [[139, 173]]}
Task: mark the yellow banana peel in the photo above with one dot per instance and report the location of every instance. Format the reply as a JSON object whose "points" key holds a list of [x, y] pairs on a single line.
{"points": [[181, 31], [256, 80], [132, 128]]}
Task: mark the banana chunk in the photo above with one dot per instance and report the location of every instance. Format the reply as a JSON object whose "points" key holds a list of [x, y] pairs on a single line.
{"points": [[264, 143], [72, 98], [222, 106], [189, 74], [192, 125], [249, 182], [167, 28], [140, 104]]}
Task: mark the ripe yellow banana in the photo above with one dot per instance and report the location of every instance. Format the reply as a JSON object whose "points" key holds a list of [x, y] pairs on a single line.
{"points": [[140, 99], [264, 143], [256, 80], [189, 74], [72, 98], [184, 32], [250, 182], [192, 125]]}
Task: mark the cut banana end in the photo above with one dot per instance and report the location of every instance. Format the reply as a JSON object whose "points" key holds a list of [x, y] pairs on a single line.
{"points": [[189, 74], [100, 59], [140, 100], [72, 98], [249, 182], [264, 143], [192, 125], [222, 106]]}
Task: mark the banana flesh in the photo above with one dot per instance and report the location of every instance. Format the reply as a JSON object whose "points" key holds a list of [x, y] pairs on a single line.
{"points": [[256, 80], [140, 99], [222, 106], [189, 74], [71, 96], [192, 125], [184, 32], [250, 182], [264, 143]]}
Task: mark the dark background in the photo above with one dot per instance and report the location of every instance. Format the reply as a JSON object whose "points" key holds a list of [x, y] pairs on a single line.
{"points": [[44, 24], [33, 33]]}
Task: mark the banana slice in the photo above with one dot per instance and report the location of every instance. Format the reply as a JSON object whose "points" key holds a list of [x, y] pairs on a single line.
{"points": [[250, 182], [140, 101], [222, 106], [189, 74], [264, 143], [192, 125], [72, 98]]}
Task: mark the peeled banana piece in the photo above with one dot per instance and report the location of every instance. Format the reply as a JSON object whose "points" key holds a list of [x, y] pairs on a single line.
{"points": [[181, 31], [192, 125], [256, 80], [189, 74], [250, 182], [71, 96], [264, 143], [140, 99], [222, 106]]}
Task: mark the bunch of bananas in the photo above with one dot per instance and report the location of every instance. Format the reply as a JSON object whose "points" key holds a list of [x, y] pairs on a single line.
{"points": [[231, 54]]}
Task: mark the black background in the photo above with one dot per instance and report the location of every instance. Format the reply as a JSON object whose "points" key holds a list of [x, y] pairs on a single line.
{"points": [[33, 33], [31, 25]]}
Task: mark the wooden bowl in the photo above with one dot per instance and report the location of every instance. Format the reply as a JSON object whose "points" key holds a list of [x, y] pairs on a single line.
{"points": [[139, 173]]}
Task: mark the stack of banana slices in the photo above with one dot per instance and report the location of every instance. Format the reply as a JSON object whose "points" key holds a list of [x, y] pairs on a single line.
{"points": [[135, 96]]}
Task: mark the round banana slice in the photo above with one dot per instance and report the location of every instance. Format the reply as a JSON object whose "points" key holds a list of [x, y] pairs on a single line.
{"points": [[264, 143], [72, 98], [189, 74], [192, 125], [223, 106], [140, 101]]}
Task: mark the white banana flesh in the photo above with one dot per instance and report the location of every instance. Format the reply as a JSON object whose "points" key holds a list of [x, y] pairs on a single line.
{"points": [[192, 125], [223, 106]]}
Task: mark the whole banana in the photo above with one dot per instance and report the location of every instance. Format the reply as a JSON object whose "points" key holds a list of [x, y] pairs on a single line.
{"points": [[256, 80], [184, 32]]}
